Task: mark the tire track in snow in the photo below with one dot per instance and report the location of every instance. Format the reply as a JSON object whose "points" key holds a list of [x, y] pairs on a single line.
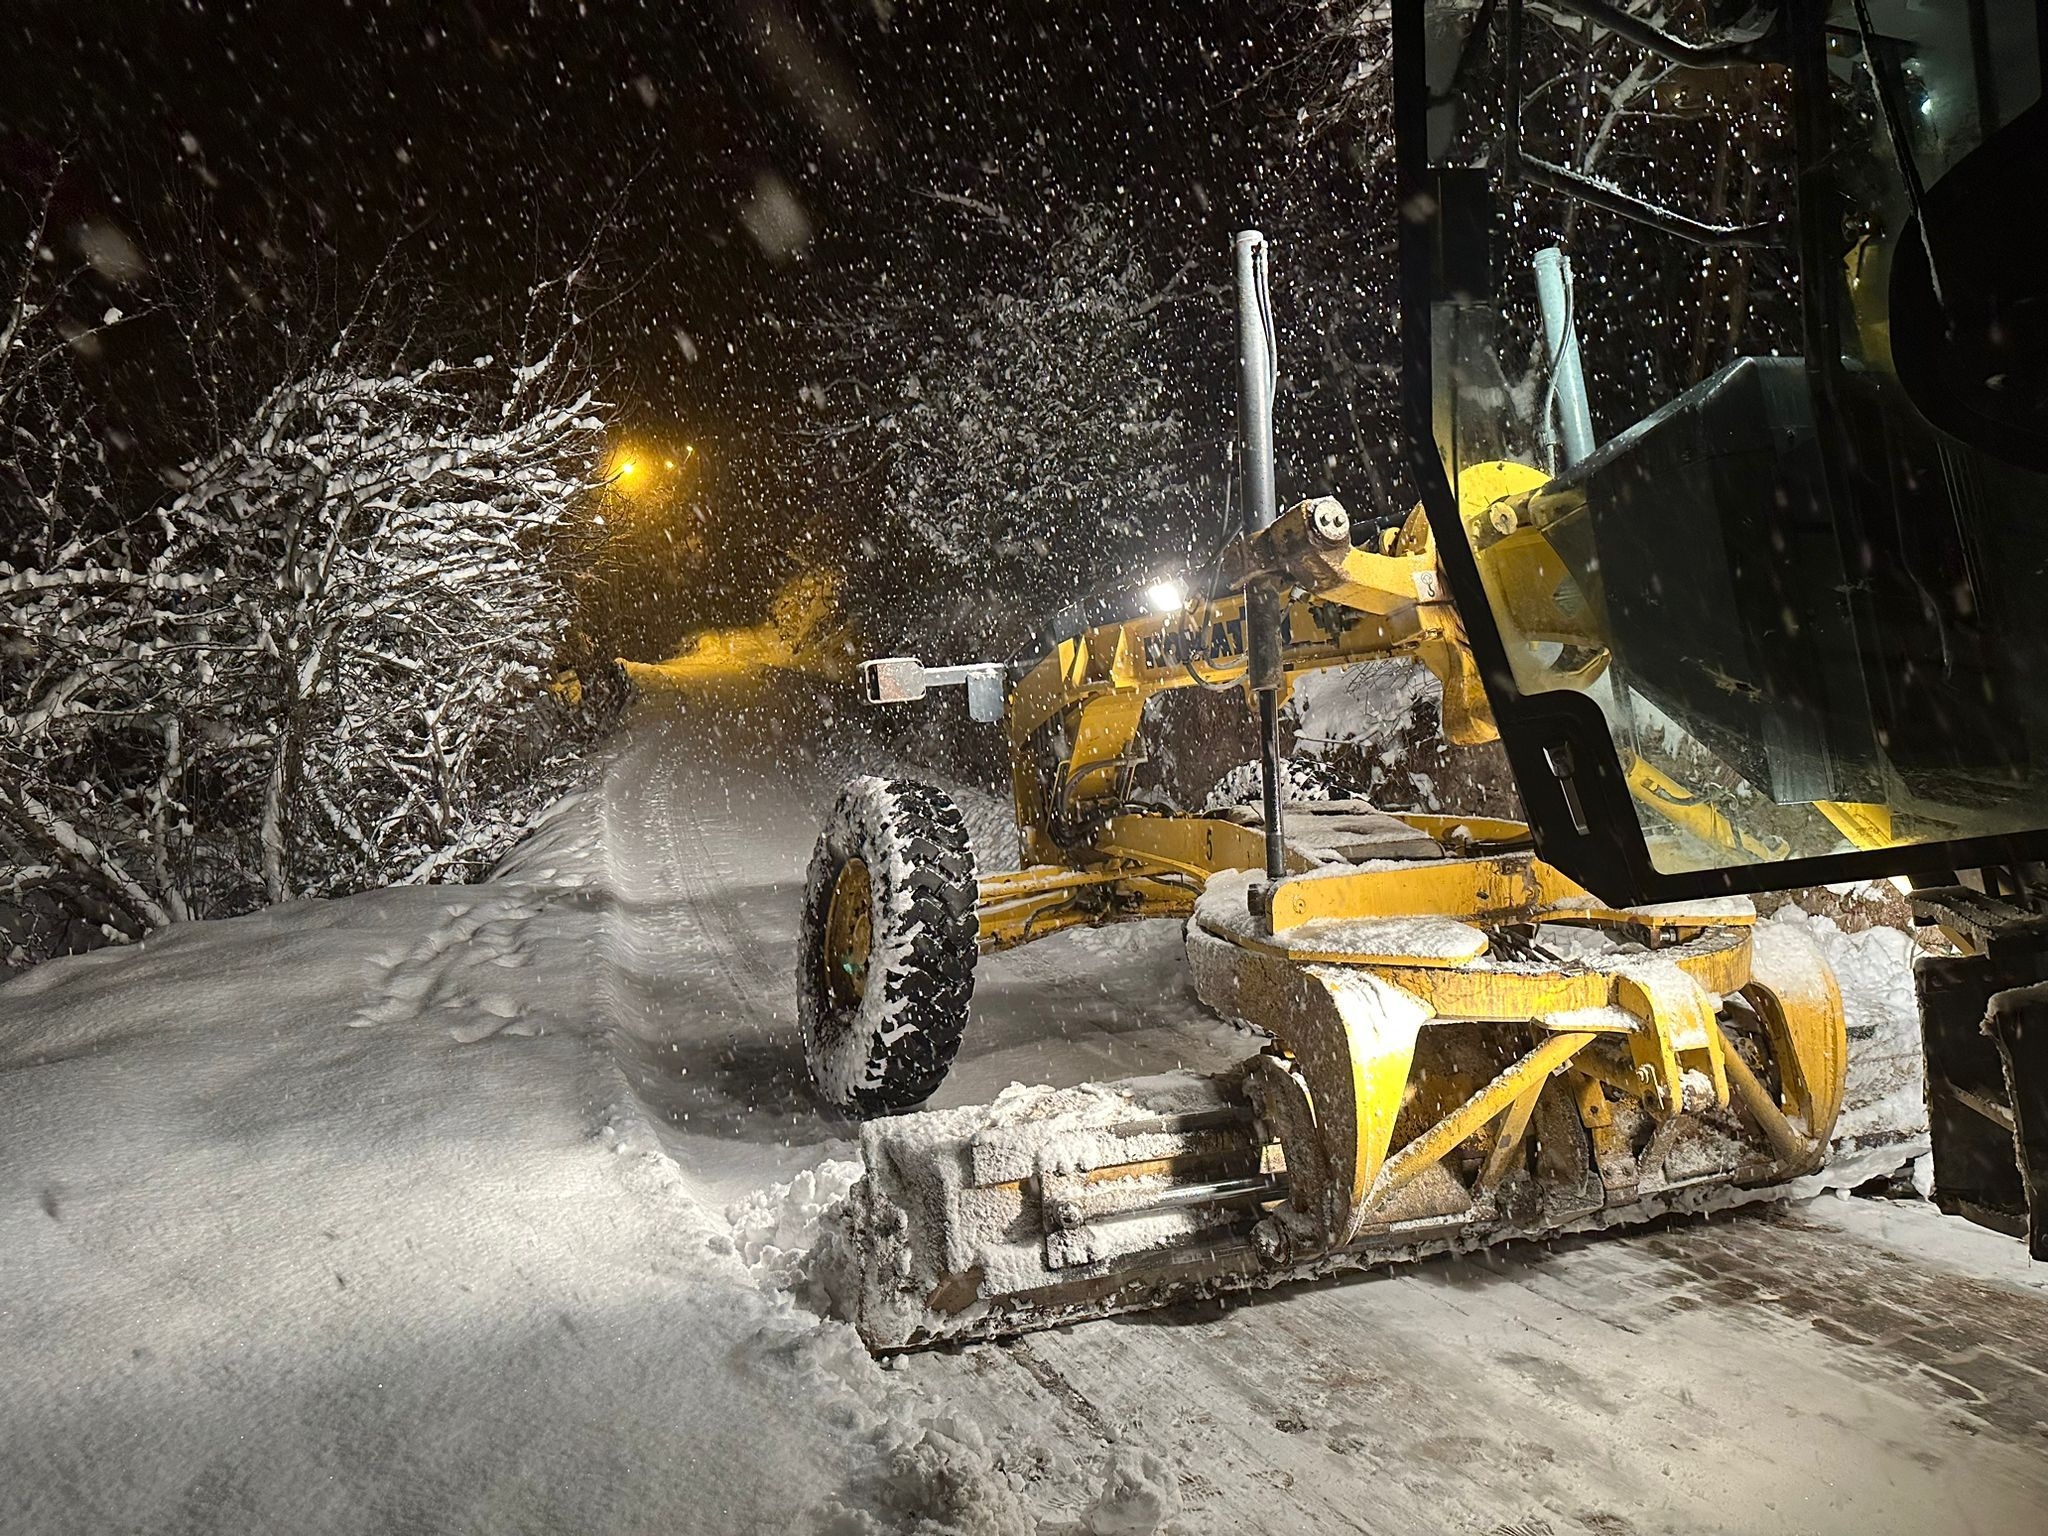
{"points": [[703, 1010], [707, 879], [693, 876]]}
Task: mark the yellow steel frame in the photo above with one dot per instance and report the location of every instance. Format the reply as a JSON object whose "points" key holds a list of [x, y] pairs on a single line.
{"points": [[1029, 904], [1347, 967], [1074, 718], [1338, 985], [1087, 696], [1348, 1021]]}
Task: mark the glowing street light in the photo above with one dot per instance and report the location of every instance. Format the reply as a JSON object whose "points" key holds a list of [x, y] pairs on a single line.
{"points": [[648, 471]]}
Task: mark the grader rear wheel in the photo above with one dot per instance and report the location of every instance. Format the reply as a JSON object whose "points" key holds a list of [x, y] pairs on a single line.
{"points": [[886, 965]]}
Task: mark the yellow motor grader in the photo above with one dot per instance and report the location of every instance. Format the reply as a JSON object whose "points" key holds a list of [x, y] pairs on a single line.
{"points": [[1715, 656]]}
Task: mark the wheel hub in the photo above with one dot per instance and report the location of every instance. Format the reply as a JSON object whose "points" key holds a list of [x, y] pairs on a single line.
{"points": [[849, 933]]}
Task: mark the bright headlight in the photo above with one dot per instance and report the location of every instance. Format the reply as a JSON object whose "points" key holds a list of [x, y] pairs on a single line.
{"points": [[1164, 597]]}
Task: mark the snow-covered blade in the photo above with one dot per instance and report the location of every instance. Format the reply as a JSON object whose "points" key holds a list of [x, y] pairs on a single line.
{"points": [[1047, 1205], [1052, 1206]]}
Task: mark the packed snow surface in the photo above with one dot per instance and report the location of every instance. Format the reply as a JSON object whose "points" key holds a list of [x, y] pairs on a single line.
{"points": [[480, 1208]]}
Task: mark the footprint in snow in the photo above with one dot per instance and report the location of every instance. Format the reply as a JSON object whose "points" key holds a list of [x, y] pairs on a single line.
{"points": [[494, 1014]]}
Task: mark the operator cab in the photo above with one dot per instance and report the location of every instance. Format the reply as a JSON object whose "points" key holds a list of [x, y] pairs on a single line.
{"points": [[1811, 307], [1817, 556]]}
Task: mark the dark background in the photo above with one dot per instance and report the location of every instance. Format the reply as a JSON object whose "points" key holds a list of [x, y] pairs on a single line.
{"points": [[481, 146], [501, 138], [485, 145]]}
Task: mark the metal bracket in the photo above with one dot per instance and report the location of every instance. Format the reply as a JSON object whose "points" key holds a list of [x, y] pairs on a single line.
{"points": [[905, 679]]}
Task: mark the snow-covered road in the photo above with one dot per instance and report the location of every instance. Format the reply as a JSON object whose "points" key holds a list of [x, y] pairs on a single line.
{"points": [[407, 1212], [710, 813]]}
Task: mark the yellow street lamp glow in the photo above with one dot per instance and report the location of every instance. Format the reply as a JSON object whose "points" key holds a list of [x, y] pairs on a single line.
{"points": [[653, 475]]}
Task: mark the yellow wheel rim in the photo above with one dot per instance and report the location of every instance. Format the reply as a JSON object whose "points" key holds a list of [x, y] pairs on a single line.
{"points": [[849, 934]]}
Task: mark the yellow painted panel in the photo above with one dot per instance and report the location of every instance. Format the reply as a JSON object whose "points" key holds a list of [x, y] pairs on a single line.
{"points": [[1193, 843], [1460, 888], [1481, 485], [1867, 826]]}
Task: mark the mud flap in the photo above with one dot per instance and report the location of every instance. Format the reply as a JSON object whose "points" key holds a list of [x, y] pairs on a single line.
{"points": [[2018, 1022], [1984, 1023]]}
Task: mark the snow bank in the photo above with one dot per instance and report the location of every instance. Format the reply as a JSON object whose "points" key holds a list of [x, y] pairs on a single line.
{"points": [[1139, 1495], [926, 1467], [932, 1476], [343, 1217], [776, 1229], [1883, 1125]]}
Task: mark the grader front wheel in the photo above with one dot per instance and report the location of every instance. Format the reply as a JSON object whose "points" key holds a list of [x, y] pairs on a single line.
{"points": [[849, 933], [886, 964]]}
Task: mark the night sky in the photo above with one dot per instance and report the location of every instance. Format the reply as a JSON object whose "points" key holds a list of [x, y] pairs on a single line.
{"points": [[500, 137]]}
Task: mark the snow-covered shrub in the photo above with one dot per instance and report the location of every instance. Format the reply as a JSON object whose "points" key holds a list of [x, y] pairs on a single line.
{"points": [[390, 541], [317, 662]]}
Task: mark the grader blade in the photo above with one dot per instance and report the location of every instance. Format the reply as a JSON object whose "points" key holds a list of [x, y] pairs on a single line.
{"points": [[1046, 1206], [1378, 1126], [1058, 1206]]}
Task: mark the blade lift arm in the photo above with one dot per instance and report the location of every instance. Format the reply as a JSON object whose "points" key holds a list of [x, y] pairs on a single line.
{"points": [[1073, 716]]}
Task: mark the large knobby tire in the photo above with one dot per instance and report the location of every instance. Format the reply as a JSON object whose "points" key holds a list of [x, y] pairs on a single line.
{"points": [[887, 956]]}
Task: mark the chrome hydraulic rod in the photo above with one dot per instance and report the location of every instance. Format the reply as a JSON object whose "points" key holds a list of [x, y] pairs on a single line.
{"points": [[1257, 377]]}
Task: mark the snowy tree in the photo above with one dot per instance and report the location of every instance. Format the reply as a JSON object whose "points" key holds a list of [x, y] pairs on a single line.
{"points": [[318, 662], [87, 599], [1000, 407], [390, 539]]}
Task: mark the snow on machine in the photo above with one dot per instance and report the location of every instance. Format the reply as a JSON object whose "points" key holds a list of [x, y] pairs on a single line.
{"points": [[1466, 1044], [1477, 1029]]}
